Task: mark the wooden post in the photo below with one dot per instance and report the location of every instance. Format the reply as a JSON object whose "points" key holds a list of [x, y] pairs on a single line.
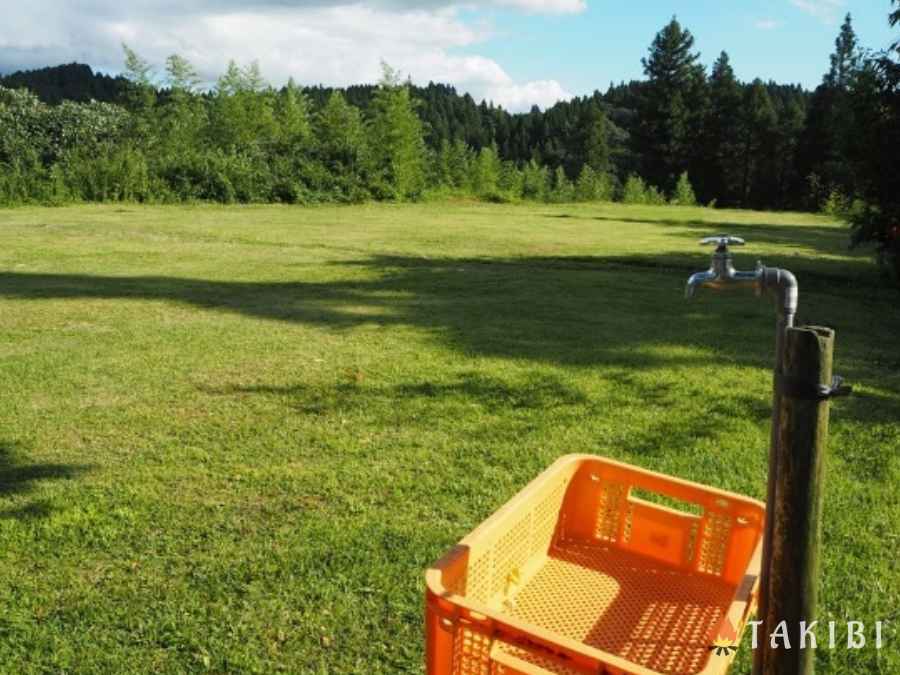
{"points": [[797, 523]]}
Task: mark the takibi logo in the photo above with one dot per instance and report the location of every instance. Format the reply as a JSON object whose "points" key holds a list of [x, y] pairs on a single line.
{"points": [[724, 639]]}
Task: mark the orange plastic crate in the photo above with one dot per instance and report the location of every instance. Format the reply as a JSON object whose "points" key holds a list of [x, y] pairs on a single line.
{"points": [[579, 574]]}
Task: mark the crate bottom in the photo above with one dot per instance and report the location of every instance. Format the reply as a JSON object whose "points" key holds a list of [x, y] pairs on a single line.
{"points": [[624, 604]]}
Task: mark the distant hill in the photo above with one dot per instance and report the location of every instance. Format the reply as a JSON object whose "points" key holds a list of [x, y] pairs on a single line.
{"points": [[69, 82]]}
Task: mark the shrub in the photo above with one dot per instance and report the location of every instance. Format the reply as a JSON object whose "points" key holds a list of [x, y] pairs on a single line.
{"points": [[635, 190], [486, 170], [118, 174], [655, 196], [586, 185], [534, 180], [563, 190], [511, 181], [684, 192], [836, 204]]}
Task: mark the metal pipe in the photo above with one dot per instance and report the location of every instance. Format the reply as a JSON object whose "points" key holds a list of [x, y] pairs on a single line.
{"points": [[722, 275], [784, 285]]}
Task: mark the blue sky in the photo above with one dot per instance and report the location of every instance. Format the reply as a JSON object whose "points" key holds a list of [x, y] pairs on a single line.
{"points": [[514, 52], [771, 39]]}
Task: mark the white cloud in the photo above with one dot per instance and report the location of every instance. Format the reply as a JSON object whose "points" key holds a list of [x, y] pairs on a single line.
{"points": [[767, 24], [546, 6], [520, 97], [313, 42], [825, 11]]}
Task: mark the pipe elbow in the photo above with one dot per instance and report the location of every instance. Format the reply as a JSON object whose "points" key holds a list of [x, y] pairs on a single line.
{"points": [[784, 285]]}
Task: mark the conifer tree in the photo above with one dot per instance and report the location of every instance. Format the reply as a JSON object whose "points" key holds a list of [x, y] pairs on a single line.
{"points": [[586, 185], [684, 191], [845, 58], [721, 167], [589, 144], [181, 76], [140, 95], [759, 124], [399, 145], [292, 112], [830, 129], [672, 107], [341, 147], [486, 171]]}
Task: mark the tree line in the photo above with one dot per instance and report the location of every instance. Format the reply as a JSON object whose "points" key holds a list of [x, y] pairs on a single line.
{"points": [[680, 135]]}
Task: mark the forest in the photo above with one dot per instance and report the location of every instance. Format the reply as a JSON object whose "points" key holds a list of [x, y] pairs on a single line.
{"points": [[680, 135]]}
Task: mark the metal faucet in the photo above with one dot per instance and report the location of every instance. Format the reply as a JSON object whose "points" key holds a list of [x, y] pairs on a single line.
{"points": [[721, 273], [783, 285]]}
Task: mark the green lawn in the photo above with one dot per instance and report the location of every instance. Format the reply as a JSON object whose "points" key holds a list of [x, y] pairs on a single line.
{"points": [[232, 438]]}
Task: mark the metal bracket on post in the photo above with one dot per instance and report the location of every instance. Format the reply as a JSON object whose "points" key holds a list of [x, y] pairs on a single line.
{"points": [[793, 387]]}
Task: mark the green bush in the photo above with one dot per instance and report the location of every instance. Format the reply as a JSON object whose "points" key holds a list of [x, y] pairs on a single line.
{"points": [[592, 186], [684, 192], [562, 190], [115, 175], [836, 204], [654, 196], [634, 191], [535, 179]]}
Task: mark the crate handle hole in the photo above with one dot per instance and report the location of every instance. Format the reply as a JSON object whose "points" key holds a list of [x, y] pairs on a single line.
{"points": [[664, 500]]}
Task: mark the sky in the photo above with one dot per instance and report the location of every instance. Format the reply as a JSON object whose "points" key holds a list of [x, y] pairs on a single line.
{"points": [[516, 53]]}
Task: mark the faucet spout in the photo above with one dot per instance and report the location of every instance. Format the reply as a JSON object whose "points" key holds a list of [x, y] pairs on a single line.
{"points": [[697, 280]]}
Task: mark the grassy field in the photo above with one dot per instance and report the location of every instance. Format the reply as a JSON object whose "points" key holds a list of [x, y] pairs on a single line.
{"points": [[231, 439]]}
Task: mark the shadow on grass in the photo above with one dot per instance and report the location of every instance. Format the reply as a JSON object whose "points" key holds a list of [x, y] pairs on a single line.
{"points": [[538, 392], [825, 240], [578, 311], [17, 477], [626, 314], [623, 311]]}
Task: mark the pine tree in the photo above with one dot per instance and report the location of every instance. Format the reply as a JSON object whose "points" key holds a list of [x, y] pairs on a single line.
{"points": [[535, 179], [340, 145], [181, 76], [441, 174], [672, 107], [789, 182], [242, 116], [181, 117], [486, 171], [634, 190], [759, 148], [511, 182], [846, 57], [141, 95], [292, 112], [590, 145], [459, 160], [586, 185], [563, 190], [876, 154], [722, 170], [828, 136], [684, 192], [399, 144]]}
